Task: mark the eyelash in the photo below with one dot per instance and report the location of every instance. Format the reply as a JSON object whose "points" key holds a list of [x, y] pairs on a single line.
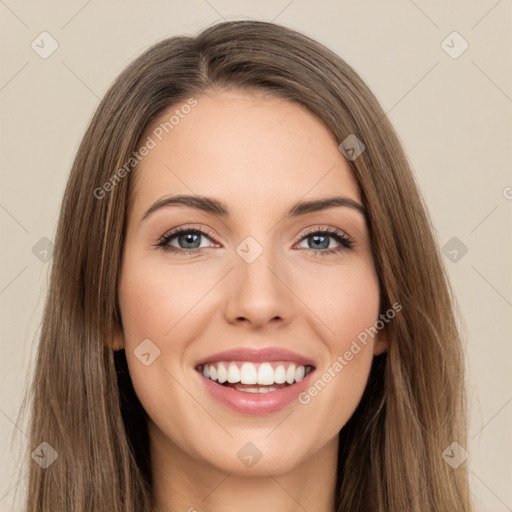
{"points": [[345, 242]]}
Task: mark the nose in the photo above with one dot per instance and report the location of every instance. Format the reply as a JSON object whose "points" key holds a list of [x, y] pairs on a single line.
{"points": [[258, 292]]}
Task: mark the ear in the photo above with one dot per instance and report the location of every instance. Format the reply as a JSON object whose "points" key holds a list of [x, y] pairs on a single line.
{"points": [[381, 342], [116, 346], [118, 341]]}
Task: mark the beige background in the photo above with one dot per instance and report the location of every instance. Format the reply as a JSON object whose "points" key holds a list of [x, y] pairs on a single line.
{"points": [[452, 115]]}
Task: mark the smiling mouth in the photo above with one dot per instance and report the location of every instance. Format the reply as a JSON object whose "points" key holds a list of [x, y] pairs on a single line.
{"points": [[251, 377]]}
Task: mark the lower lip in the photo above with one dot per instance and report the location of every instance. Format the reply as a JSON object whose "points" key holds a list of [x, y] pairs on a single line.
{"points": [[256, 403]]}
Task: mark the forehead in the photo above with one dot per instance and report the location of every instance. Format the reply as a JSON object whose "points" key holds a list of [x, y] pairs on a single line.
{"points": [[253, 151]]}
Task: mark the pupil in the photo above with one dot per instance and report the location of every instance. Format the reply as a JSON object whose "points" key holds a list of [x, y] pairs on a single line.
{"points": [[189, 239], [316, 238]]}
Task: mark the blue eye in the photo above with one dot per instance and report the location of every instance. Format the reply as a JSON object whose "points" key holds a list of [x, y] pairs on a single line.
{"points": [[321, 240], [189, 241], [188, 237]]}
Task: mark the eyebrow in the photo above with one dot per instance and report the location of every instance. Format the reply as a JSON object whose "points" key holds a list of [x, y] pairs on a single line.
{"points": [[220, 209]]}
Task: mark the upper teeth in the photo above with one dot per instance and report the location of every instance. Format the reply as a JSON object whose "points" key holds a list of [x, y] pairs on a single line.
{"points": [[255, 373]]}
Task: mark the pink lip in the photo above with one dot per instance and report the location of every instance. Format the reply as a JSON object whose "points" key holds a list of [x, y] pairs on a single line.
{"points": [[255, 403], [252, 355]]}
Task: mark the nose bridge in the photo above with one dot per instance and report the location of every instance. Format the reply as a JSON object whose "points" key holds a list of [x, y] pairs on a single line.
{"points": [[257, 291]]}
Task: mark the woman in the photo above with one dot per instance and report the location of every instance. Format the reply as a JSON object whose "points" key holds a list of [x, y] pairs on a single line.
{"points": [[247, 306]]}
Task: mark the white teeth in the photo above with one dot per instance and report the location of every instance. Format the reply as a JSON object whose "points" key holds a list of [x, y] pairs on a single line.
{"points": [[222, 374], [233, 373], [280, 375], [248, 374], [256, 389], [250, 390], [262, 374], [299, 373], [265, 374], [290, 374]]}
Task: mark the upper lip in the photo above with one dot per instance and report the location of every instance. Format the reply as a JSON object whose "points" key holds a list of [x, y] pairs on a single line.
{"points": [[254, 355]]}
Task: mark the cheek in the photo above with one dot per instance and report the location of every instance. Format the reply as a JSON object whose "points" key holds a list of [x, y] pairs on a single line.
{"points": [[157, 304], [336, 390], [154, 300], [345, 300], [348, 304]]}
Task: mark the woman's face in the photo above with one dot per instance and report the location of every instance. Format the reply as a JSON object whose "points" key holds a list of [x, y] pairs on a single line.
{"points": [[269, 288]]}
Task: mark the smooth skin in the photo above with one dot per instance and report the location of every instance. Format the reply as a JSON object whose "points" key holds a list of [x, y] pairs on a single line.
{"points": [[258, 155]]}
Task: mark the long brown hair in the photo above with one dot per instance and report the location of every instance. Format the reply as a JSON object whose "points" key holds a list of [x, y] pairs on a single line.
{"points": [[83, 404]]}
